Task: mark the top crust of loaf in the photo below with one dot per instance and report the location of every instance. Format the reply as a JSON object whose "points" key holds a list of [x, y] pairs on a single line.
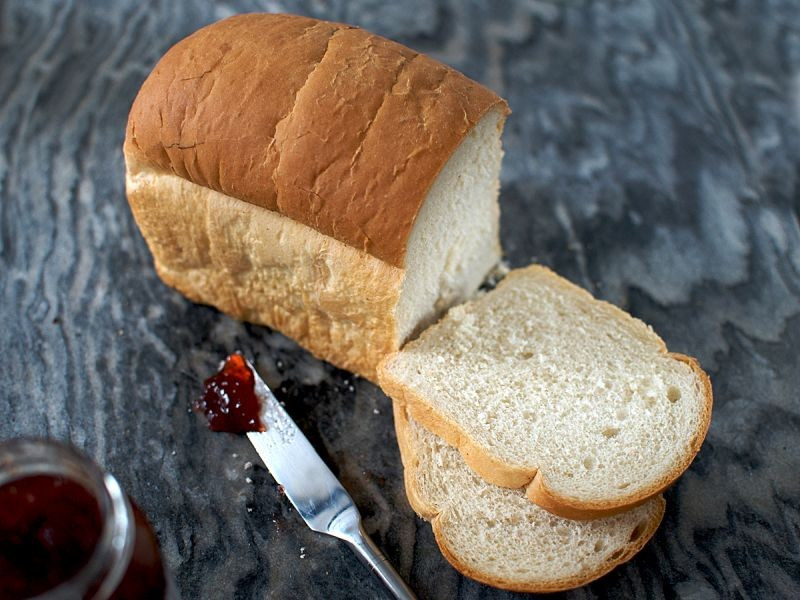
{"points": [[325, 123]]}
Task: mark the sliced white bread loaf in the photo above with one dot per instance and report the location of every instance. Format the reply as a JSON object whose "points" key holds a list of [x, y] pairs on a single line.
{"points": [[496, 536], [540, 385], [316, 178]]}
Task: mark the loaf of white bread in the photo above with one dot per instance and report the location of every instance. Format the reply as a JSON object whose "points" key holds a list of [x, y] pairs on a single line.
{"points": [[342, 189], [314, 177]]}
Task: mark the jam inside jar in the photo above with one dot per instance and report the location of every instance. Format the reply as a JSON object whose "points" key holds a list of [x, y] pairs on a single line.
{"points": [[49, 528], [67, 530]]}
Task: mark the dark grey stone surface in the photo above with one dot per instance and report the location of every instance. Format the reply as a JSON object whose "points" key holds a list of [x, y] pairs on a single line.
{"points": [[653, 156]]}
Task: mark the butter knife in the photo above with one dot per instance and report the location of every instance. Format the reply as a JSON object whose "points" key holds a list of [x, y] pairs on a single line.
{"points": [[314, 491]]}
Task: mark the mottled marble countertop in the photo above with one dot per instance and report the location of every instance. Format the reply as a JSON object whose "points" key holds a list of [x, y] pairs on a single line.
{"points": [[653, 156]]}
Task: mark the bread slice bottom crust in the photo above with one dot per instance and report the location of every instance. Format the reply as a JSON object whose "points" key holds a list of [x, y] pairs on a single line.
{"points": [[431, 510], [503, 474]]}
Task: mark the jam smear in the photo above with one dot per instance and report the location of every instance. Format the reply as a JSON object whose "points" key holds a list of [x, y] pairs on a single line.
{"points": [[49, 527], [229, 399]]}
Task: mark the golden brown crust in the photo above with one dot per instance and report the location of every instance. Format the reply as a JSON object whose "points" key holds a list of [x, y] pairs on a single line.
{"points": [[408, 456], [328, 124], [432, 514], [480, 460], [259, 266], [491, 469], [540, 587], [497, 472]]}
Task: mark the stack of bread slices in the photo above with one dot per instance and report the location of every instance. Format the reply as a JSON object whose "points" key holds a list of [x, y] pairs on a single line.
{"points": [[342, 188], [537, 428]]}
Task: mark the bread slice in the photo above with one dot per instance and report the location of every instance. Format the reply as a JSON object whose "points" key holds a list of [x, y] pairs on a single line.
{"points": [[496, 536], [540, 385], [316, 178]]}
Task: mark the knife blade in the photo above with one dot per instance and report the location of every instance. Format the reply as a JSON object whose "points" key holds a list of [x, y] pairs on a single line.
{"points": [[313, 489]]}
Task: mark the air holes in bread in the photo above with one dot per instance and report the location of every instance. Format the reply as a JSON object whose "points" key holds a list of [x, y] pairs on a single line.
{"points": [[589, 462], [637, 531], [599, 545], [623, 486], [610, 432], [673, 394], [525, 355]]}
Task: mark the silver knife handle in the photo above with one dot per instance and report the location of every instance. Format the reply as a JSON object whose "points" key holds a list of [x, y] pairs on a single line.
{"points": [[371, 556]]}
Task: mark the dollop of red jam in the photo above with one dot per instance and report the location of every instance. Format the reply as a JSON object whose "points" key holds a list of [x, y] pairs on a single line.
{"points": [[49, 527], [229, 399]]}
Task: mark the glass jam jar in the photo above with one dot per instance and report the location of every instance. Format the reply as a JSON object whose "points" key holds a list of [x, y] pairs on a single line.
{"points": [[68, 530]]}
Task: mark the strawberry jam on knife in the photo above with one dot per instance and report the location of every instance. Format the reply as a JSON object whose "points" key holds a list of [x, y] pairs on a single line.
{"points": [[229, 399]]}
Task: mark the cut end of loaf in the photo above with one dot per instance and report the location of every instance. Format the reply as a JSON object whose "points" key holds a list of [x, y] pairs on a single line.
{"points": [[496, 536], [455, 239], [539, 377]]}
